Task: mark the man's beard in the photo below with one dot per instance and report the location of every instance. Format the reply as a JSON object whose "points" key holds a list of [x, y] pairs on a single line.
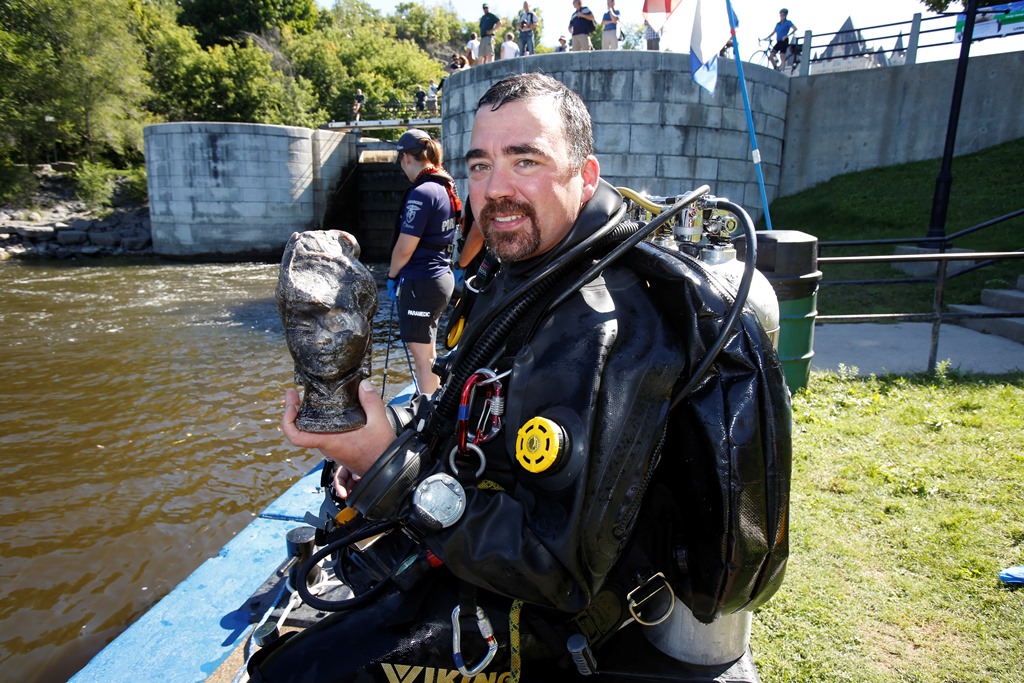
{"points": [[514, 245]]}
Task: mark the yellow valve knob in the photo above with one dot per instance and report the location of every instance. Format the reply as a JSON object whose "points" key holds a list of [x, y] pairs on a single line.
{"points": [[538, 444]]}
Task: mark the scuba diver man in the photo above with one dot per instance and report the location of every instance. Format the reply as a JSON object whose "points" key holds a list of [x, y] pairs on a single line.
{"points": [[527, 522]]}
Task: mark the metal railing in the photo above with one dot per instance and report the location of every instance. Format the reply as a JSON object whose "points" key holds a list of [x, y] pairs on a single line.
{"points": [[942, 258], [869, 42]]}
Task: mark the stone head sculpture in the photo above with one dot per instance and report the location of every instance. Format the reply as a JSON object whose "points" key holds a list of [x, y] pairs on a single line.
{"points": [[327, 300]]}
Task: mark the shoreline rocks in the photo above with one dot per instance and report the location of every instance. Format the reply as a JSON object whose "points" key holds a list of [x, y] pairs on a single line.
{"points": [[61, 227]]}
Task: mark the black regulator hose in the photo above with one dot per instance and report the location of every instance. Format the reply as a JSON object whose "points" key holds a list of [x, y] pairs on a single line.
{"points": [[729, 323], [631, 241], [485, 337], [351, 603]]}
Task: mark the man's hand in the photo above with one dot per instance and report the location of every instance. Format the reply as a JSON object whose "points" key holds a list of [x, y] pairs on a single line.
{"points": [[356, 450], [393, 284]]}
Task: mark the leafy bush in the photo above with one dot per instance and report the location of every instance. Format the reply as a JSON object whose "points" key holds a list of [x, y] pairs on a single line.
{"points": [[17, 185], [131, 186], [95, 183]]}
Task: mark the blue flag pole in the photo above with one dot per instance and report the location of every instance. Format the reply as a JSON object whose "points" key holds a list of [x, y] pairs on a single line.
{"points": [[755, 153]]}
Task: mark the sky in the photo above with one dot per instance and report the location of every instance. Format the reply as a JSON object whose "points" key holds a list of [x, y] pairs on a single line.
{"points": [[757, 18]]}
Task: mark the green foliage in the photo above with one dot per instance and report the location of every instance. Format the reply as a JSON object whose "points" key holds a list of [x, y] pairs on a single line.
{"points": [[94, 183], [100, 185], [104, 77], [85, 78], [431, 28], [223, 21], [943, 5], [906, 502], [70, 74], [17, 185], [30, 76], [633, 37]]}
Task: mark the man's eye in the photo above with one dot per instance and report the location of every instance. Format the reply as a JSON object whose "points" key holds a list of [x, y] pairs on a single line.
{"points": [[476, 168], [526, 163]]}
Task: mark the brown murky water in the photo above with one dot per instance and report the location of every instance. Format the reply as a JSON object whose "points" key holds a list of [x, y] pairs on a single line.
{"points": [[139, 406]]}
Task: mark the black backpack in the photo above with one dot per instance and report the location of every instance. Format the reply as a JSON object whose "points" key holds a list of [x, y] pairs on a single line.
{"points": [[717, 512]]}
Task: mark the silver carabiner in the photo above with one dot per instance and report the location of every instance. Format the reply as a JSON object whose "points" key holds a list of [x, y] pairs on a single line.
{"points": [[482, 623], [469, 447]]}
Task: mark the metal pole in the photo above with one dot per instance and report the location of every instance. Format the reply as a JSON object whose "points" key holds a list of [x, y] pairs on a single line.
{"points": [[940, 285], [940, 201], [754, 151], [915, 37]]}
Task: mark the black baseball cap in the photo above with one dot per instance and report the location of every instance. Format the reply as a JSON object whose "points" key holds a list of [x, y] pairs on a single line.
{"points": [[411, 140]]}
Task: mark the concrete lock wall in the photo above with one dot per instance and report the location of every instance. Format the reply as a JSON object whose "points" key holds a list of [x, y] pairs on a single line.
{"points": [[655, 130], [858, 120], [238, 190]]}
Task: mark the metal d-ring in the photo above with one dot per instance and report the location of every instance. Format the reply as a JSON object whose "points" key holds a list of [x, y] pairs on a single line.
{"points": [[469, 447]]}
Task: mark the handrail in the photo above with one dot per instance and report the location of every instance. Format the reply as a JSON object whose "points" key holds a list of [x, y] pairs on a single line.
{"points": [[914, 30], [936, 316]]}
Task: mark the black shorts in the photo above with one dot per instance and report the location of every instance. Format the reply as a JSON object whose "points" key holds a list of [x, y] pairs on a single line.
{"points": [[420, 305], [780, 46]]}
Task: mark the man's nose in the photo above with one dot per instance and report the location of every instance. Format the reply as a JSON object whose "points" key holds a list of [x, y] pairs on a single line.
{"points": [[499, 183]]}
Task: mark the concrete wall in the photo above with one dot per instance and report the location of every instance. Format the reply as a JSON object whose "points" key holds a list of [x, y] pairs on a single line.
{"points": [[655, 130], [240, 190], [857, 120], [237, 190]]}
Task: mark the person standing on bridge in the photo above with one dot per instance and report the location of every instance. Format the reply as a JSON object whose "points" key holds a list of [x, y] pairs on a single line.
{"points": [[488, 25], [420, 279], [782, 32]]}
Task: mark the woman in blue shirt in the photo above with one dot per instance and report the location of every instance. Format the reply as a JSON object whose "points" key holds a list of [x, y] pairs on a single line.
{"points": [[420, 278], [783, 30]]}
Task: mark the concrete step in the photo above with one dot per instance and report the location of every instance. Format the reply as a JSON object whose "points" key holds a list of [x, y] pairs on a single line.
{"points": [[1011, 328], [1005, 299]]}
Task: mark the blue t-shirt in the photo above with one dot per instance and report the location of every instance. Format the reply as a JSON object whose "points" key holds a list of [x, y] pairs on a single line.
{"points": [[427, 214], [608, 17], [782, 30]]}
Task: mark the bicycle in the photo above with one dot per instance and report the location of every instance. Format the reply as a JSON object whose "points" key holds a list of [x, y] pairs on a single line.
{"points": [[764, 57]]}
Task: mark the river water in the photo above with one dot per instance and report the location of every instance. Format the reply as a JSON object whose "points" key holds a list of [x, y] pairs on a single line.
{"points": [[140, 406]]}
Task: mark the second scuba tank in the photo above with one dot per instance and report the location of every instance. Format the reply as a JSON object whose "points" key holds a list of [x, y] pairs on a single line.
{"points": [[721, 259]]}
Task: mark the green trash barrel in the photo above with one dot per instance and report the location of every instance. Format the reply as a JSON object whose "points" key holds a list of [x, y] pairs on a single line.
{"points": [[789, 259]]}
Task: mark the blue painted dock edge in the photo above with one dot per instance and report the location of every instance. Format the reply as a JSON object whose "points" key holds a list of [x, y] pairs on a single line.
{"points": [[191, 631]]}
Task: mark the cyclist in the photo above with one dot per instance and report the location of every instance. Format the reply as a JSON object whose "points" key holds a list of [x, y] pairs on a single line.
{"points": [[782, 31]]}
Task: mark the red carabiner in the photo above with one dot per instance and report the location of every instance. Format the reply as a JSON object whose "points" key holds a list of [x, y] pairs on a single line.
{"points": [[462, 428]]}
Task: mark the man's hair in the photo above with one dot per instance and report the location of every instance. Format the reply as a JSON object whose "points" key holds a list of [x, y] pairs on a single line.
{"points": [[576, 124]]}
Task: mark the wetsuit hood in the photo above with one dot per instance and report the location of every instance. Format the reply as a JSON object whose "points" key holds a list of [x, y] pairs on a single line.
{"points": [[593, 215]]}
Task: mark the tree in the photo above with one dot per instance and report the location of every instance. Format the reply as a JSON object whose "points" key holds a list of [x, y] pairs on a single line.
{"points": [[438, 31], [71, 73], [105, 80], [633, 37], [29, 74], [943, 5], [220, 21]]}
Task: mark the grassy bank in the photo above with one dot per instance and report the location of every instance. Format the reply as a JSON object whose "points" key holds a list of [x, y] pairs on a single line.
{"points": [[896, 202], [907, 500]]}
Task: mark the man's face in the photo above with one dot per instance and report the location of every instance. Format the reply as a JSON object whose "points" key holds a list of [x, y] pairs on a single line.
{"points": [[522, 186], [577, 4]]}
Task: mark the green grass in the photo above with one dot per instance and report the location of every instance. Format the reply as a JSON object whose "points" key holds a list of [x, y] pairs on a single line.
{"points": [[907, 499], [896, 202]]}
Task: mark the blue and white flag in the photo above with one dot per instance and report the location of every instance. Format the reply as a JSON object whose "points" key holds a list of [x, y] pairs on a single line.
{"points": [[707, 22]]}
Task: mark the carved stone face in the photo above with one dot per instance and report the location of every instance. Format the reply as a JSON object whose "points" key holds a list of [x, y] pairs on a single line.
{"points": [[327, 300]]}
